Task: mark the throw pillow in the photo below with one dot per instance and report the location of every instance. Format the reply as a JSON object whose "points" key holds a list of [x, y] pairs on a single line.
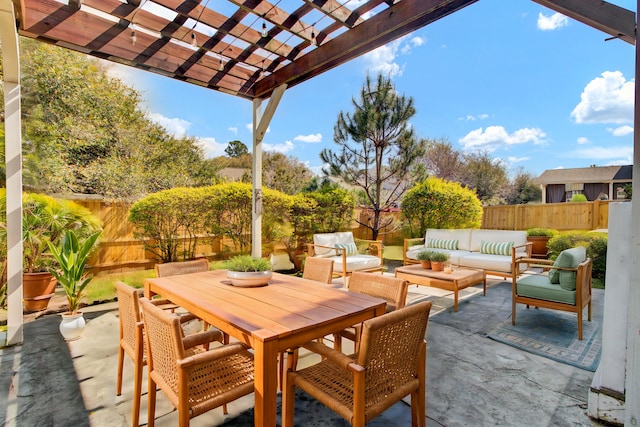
{"points": [[349, 248], [495, 248], [569, 258], [442, 244]]}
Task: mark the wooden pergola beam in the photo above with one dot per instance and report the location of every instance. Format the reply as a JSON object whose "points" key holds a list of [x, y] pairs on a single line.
{"points": [[609, 18]]}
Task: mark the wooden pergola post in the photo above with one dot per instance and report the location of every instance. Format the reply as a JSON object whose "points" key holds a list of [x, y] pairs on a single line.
{"points": [[13, 162]]}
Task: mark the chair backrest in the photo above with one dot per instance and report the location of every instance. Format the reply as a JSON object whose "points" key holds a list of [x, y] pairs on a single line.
{"points": [[129, 311], [318, 269], [164, 343], [184, 267], [391, 346], [391, 289]]}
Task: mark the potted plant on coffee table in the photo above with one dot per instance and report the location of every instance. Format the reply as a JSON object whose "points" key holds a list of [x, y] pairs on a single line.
{"points": [[424, 257], [437, 260], [247, 271], [72, 257]]}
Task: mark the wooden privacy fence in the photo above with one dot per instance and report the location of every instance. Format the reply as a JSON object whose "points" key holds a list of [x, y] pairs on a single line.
{"points": [[119, 250]]}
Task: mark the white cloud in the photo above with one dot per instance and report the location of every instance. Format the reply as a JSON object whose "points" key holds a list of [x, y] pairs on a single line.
{"points": [[233, 130], [606, 99], [583, 140], [553, 22], [384, 59], [494, 137], [602, 153], [279, 148], [513, 160], [175, 126], [212, 148], [317, 137], [471, 118], [621, 131]]}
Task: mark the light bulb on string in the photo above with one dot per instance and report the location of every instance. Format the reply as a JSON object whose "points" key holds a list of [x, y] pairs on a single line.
{"points": [[194, 41], [264, 29], [314, 42], [134, 38], [221, 65]]}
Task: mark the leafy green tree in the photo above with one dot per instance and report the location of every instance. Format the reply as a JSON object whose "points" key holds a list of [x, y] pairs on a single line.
{"points": [[437, 203], [284, 173], [522, 190], [442, 160], [236, 149], [377, 147], [484, 174]]}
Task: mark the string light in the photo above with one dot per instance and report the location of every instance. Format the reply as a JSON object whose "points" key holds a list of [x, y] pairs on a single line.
{"points": [[194, 41], [264, 29], [221, 65], [262, 69], [134, 38], [314, 42]]}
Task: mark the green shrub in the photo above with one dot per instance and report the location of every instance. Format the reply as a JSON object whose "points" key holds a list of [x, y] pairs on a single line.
{"points": [[437, 203], [578, 198], [595, 244], [424, 255], [541, 232], [439, 256]]}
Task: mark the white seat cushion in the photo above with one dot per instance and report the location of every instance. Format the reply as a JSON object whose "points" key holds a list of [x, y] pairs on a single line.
{"points": [[487, 262], [356, 263]]}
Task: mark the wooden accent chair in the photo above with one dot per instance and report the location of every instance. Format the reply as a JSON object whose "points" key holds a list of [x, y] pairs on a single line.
{"points": [[132, 340], [566, 287], [195, 380], [318, 269], [392, 289], [183, 267], [390, 365]]}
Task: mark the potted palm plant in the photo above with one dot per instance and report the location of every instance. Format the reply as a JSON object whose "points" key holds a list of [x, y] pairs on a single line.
{"points": [[45, 220], [72, 257], [247, 271]]}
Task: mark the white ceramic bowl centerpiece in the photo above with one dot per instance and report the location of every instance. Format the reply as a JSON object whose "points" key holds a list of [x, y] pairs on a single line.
{"points": [[246, 271]]}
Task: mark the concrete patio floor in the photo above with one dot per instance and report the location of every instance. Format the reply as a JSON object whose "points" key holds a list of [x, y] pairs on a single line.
{"points": [[471, 380]]}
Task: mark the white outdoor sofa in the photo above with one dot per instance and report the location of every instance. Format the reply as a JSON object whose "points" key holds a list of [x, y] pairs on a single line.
{"points": [[348, 255], [494, 251]]}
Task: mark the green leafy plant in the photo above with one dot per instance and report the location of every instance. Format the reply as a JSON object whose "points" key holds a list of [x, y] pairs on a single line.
{"points": [[247, 263], [595, 243], [438, 257], [541, 232], [72, 259], [424, 255], [578, 198]]}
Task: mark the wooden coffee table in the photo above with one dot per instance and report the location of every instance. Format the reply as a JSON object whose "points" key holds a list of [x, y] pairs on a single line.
{"points": [[459, 278]]}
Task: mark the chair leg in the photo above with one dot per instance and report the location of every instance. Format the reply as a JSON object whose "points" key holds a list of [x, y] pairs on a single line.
{"points": [[289, 395], [513, 312], [589, 312], [137, 391], [120, 365], [579, 325], [151, 395]]}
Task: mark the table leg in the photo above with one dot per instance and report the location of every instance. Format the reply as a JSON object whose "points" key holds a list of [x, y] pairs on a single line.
{"points": [[265, 383], [455, 296]]}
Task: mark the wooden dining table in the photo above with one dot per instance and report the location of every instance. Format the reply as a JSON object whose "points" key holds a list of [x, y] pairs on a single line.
{"points": [[284, 314]]}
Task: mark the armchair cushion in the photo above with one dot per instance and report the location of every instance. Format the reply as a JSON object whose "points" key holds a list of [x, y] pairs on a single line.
{"points": [[569, 258], [356, 262], [538, 286], [349, 248]]}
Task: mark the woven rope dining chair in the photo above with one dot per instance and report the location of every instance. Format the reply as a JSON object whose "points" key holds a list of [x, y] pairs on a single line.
{"points": [[183, 267], [390, 365], [132, 340], [391, 289], [318, 269], [194, 380]]}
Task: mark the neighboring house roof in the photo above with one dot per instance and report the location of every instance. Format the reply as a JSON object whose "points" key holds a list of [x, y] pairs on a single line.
{"points": [[594, 174], [234, 174]]}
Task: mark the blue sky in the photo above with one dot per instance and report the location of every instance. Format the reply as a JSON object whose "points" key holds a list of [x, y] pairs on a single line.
{"points": [[533, 88]]}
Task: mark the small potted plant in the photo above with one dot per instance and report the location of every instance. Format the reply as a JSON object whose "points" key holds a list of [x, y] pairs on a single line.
{"points": [[247, 271], [539, 237], [72, 257], [425, 258], [437, 260]]}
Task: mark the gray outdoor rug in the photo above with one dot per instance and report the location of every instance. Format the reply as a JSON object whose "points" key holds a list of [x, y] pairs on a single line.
{"points": [[553, 334]]}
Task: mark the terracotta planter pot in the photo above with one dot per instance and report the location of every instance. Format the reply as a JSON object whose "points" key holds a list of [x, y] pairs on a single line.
{"points": [[425, 264], [437, 266], [37, 288], [539, 248]]}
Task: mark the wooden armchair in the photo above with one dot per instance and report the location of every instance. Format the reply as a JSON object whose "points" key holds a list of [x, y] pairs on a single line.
{"points": [[392, 289], [566, 286], [349, 255], [132, 340], [390, 365], [194, 380]]}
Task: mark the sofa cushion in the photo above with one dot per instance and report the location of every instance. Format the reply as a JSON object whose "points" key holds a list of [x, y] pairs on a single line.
{"points": [[501, 263], [454, 256], [496, 248], [537, 286], [330, 240], [462, 235], [349, 248], [569, 258], [356, 263], [442, 244], [281, 262], [517, 237]]}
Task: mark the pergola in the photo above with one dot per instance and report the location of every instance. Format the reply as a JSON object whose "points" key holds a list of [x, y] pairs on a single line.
{"points": [[253, 49]]}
